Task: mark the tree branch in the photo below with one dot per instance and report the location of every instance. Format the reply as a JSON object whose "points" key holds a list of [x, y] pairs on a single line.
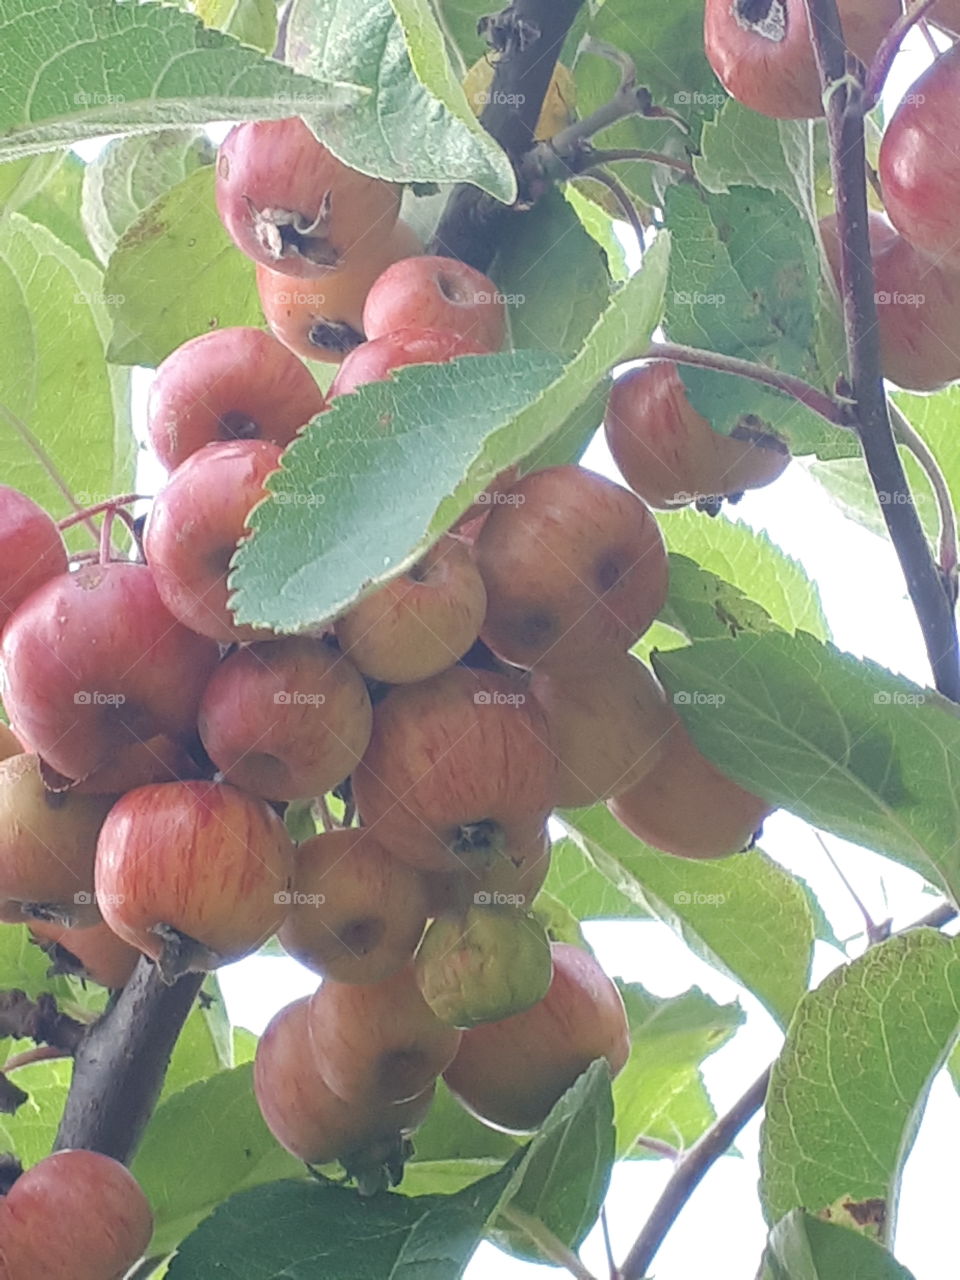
{"points": [[845, 106], [880, 68]]}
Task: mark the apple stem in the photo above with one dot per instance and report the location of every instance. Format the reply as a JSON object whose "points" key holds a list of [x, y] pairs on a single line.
{"points": [[623, 199], [911, 440], [110, 505], [181, 954], [880, 67]]}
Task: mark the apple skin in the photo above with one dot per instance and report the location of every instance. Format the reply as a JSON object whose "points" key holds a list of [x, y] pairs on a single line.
{"points": [[197, 522], [918, 307], [378, 1041], [511, 1073], [32, 550], [290, 204], [94, 662], [10, 744], [307, 1117], [946, 14], [238, 383], [357, 912], [159, 759], [670, 455], [431, 292], [687, 807], [47, 847], [919, 174], [420, 623], [514, 880], [76, 1215], [574, 568], [287, 720], [375, 360], [459, 772], [201, 858], [606, 725], [95, 953], [321, 318], [776, 74]]}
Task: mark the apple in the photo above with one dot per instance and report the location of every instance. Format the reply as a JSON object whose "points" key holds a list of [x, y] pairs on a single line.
{"points": [[9, 743], [321, 318], [918, 307], [947, 14], [287, 720], [76, 1215], [436, 293], [197, 522], [459, 772], [290, 204], [47, 847], [193, 874], [514, 880], [511, 1073], [420, 623], [762, 53], [159, 759], [606, 724], [231, 384], [31, 549], [671, 456], [357, 912], [687, 807], [93, 662], [574, 567], [95, 953], [375, 360]]}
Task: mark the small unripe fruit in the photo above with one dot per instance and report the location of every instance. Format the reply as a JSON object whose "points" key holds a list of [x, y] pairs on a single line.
{"points": [[31, 549], [436, 293]]}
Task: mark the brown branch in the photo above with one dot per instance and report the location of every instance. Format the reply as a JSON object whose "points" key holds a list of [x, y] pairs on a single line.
{"points": [[39, 1020], [880, 67]]}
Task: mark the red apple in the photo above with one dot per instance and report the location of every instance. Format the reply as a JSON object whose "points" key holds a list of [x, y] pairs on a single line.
{"points": [[373, 361], [31, 549], [947, 14], [436, 293], [10, 744]]}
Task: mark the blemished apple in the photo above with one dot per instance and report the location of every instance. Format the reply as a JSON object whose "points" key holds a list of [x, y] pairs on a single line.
{"points": [[95, 953], [511, 1073], [287, 719], [31, 549], [512, 880], [459, 771], [196, 524], [290, 204], [422, 622], [574, 567], [357, 912], [94, 662], [431, 292], [231, 384], [193, 874], [687, 807], [374, 360]]}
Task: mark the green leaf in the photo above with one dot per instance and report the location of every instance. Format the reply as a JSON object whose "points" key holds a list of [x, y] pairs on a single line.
{"points": [[460, 17], [841, 743], [109, 68], [373, 481], [659, 1094], [205, 1045], [802, 1247], [30, 1132], [411, 122], [252, 22], [843, 1110], [304, 1230], [451, 1149], [745, 915], [703, 606], [56, 206], [575, 880], [24, 966], [175, 273], [130, 173], [219, 1116]]}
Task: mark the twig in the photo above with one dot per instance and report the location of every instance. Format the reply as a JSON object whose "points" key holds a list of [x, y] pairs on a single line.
{"points": [[124, 500], [658, 1147], [39, 1020], [622, 197], [547, 1242], [608, 1244], [638, 153], [845, 106], [880, 67], [910, 439], [51, 468], [874, 932], [42, 1053]]}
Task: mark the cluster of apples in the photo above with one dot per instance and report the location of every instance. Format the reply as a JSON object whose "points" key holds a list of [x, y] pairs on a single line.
{"points": [[762, 53]]}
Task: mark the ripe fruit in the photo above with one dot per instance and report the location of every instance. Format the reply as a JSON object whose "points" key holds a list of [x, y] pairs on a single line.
{"points": [[96, 953], [357, 912], [231, 384], [483, 966], [919, 174], [671, 456], [194, 874], [47, 847], [687, 807], [31, 549], [514, 880], [947, 14], [605, 723], [458, 771], [511, 1073], [196, 524], [321, 318], [77, 1215], [762, 54], [918, 308], [574, 567], [9, 743], [159, 759], [420, 623], [558, 104], [372, 361], [436, 293], [379, 1041], [94, 662], [309, 1119], [290, 204], [288, 719]]}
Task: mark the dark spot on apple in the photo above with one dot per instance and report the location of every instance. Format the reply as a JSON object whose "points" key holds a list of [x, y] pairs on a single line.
{"points": [[449, 287], [237, 426], [361, 936], [327, 335], [609, 572], [535, 627]]}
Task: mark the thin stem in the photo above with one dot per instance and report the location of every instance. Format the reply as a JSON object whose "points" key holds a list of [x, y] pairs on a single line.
{"points": [[880, 67], [910, 439], [124, 500], [106, 541], [928, 36], [547, 1242], [658, 1147], [874, 932], [40, 453], [608, 1245], [622, 196], [42, 1053], [637, 153]]}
